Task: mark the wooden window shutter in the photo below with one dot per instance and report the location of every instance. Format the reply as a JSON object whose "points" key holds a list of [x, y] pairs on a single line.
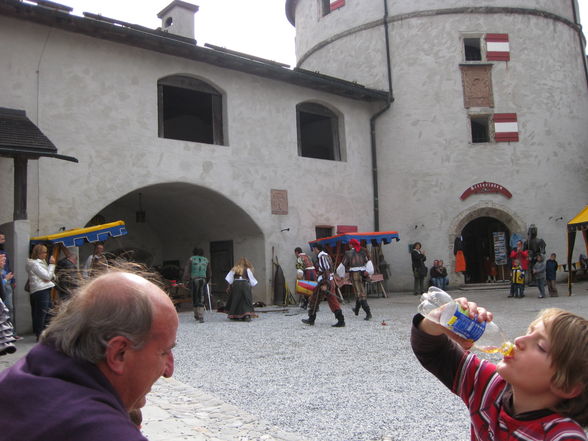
{"points": [[506, 127], [497, 47], [336, 4]]}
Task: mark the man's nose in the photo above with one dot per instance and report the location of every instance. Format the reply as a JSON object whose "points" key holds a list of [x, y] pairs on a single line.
{"points": [[169, 366]]}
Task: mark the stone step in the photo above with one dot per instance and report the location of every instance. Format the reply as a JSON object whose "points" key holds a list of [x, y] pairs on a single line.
{"points": [[501, 285]]}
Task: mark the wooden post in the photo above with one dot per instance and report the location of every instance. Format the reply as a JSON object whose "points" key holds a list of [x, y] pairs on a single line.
{"points": [[20, 187]]}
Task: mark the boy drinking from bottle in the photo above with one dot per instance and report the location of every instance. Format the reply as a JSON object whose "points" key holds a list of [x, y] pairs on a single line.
{"points": [[537, 392]]}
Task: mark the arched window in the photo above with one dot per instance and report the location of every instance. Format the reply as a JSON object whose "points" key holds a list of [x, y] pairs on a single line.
{"points": [[189, 110], [318, 132]]}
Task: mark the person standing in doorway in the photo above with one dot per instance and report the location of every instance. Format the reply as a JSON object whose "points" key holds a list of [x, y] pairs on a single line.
{"points": [[419, 269], [197, 273], [551, 275]]}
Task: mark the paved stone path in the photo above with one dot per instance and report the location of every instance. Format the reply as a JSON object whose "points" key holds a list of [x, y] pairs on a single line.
{"points": [[176, 411]]}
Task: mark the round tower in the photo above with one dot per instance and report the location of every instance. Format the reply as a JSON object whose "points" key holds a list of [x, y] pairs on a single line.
{"points": [[486, 132]]}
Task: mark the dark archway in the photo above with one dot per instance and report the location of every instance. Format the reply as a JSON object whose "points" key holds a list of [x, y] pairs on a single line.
{"points": [[178, 217], [479, 243]]}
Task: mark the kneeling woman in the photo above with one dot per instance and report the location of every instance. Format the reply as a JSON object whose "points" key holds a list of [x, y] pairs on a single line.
{"points": [[241, 279]]}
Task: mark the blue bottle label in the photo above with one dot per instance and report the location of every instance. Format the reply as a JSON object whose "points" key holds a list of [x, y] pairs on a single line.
{"points": [[466, 327]]}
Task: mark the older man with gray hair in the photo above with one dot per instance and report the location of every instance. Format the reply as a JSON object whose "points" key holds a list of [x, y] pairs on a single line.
{"points": [[95, 363]]}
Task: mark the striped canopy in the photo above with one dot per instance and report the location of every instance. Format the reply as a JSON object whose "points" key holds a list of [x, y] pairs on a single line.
{"points": [[577, 223], [80, 236], [374, 238]]}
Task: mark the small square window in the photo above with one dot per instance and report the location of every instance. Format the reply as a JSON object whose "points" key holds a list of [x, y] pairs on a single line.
{"points": [[472, 49], [480, 127], [323, 231]]}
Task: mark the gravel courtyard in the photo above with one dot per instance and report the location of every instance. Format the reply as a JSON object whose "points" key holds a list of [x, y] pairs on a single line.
{"points": [[357, 383]]}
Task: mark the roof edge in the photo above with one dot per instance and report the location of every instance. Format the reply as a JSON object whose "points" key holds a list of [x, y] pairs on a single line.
{"points": [[290, 11]]}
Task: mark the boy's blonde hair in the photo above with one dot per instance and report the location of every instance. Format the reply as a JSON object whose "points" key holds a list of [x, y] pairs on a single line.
{"points": [[568, 337]]}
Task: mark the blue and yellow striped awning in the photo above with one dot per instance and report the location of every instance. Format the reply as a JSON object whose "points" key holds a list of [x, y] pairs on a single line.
{"points": [[80, 236]]}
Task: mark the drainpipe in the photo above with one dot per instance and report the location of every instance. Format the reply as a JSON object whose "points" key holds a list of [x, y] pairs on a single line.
{"points": [[579, 30], [373, 124]]}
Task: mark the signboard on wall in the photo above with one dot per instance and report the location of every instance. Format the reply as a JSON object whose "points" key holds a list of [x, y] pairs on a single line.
{"points": [[279, 200], [499, 248]]}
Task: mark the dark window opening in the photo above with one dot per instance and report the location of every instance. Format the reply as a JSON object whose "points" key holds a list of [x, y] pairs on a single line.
{"points": [[189, 110], [318, 132], [480, 129], [473, 50], [323, 231]]}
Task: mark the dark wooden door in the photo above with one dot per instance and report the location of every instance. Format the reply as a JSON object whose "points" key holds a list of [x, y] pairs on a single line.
{"points": [[221, 262]]}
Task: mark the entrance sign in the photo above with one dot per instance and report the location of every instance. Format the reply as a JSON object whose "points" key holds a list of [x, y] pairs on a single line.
{"points": [[499, 248], [485, 187]]}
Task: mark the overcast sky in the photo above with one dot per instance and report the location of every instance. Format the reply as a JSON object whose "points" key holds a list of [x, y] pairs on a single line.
{"points": [[256, 27]]}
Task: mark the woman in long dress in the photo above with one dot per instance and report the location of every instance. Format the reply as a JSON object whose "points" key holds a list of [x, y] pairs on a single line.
{"points": [[241, 279]]}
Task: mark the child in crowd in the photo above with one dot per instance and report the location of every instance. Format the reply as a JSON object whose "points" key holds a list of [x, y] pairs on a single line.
{"points": [[539, 275], [517, 280], [551, 275], [538, 392]]}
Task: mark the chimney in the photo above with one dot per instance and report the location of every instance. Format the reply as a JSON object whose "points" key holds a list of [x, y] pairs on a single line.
{"points": [[178, 18]]}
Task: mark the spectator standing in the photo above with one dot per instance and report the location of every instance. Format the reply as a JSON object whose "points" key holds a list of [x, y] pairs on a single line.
{"points": [[66, 274], [95, 261], [517, 280], [40, 282], [521, 255], [539, 274], [551, 275], [94, 364], [8, 282], [7, 335], [419, 269]]}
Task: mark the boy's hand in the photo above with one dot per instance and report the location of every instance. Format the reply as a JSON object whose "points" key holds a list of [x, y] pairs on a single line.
{"points": [[474, 311]]}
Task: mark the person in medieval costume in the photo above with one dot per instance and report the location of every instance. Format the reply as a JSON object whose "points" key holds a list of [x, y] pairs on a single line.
{"points": [[197, 273], [355, 261], [326, 280], [304, 263], [241, 280]]}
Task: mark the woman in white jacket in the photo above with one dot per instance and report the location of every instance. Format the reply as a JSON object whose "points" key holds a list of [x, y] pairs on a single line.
{"points": [[40, 282]]}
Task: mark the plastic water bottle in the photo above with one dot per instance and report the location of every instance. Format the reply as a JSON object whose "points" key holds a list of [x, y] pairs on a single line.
{"points": [[438, 306]]}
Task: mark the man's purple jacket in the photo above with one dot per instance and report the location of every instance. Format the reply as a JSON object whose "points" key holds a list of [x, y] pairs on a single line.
{"points": [[49, 396]]}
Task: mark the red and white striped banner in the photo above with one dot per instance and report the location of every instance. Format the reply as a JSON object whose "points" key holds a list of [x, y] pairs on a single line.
{"points": [[336, 4], [506, 127], [497, 47]]}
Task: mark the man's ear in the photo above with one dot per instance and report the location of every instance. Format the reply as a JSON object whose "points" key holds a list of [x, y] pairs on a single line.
{"points": [[566, 395], [116, 352]]}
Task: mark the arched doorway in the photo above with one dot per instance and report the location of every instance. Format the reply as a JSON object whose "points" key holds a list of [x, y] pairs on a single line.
{"points": [[177, 217], [479, 242]]}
